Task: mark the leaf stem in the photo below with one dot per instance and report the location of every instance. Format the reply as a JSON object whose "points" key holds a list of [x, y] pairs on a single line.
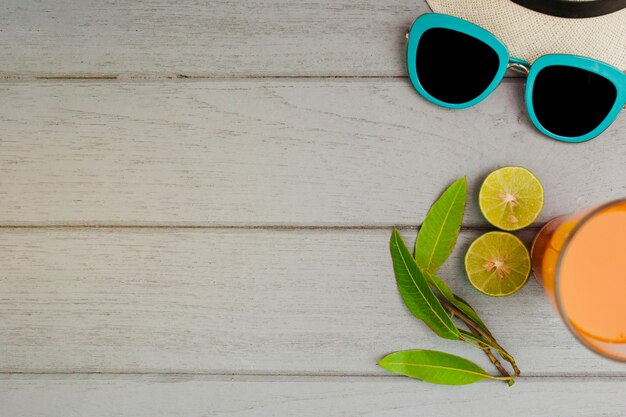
{"points": [[497, 364], [508, 379], [476, 345], [494, 360], [478, 331]]}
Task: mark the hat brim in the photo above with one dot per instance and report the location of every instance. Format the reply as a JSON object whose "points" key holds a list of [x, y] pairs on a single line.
{"points": [[529, 34]]}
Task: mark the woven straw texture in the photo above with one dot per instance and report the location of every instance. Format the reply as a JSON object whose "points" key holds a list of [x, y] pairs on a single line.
{"points": [[529, 34]]}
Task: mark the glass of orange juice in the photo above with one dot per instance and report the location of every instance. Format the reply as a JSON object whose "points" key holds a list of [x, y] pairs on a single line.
{"points": [[580, 260]]}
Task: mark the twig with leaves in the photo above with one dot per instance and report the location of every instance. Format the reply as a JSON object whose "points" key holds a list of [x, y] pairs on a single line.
{"points": [[430, 299]]}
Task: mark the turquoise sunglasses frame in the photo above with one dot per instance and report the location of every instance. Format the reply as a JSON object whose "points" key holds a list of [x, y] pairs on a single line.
{"points": [[435, 20]]}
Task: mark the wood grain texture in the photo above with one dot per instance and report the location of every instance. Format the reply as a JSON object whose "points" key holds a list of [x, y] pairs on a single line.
{"points": [[273, 152], [241, 301], [199, 396], [219, 38]]}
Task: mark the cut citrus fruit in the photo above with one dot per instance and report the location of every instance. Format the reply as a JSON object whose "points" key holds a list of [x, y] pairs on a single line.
{"points": [[511, 198], [497, 264]]}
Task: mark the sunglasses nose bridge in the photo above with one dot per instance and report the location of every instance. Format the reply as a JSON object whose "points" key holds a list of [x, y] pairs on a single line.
{"points": [[519, 65]]}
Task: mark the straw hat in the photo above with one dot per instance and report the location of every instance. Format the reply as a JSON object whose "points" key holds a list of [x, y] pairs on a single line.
{"points": [[531, 28]]}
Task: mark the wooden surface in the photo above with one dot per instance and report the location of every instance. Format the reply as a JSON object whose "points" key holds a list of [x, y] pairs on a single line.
{"points": [[249, 396], [194, 38], [191, 247], [356, 152], [249, 301]]}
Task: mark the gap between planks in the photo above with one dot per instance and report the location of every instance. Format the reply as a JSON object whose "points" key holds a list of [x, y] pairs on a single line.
{"points": [[283, 375], [243, 227]]}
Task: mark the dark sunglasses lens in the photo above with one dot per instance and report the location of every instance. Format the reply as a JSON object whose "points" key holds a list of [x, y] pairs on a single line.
{"points": [[571, 102], [454, 67]]}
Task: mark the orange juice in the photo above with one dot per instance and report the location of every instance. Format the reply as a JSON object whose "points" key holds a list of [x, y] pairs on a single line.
{"points": [[581, 262]]}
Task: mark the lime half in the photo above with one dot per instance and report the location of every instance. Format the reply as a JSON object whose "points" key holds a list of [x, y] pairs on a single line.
{"points": [[511, 198], [497, 264]]}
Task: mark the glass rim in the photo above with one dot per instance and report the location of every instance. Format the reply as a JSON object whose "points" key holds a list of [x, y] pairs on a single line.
{"points": [[557, 278]]}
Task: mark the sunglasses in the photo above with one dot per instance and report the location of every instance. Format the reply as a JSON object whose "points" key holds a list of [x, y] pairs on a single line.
{"points": [[456, 64]]}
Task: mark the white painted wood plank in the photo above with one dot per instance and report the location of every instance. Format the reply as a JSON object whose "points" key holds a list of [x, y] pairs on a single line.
{"points": [[196, 396], [196, 38], [272, 152], [198, 300]]}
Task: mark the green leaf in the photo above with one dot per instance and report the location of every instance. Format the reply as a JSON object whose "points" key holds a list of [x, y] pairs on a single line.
{"points": [[440, 228], [456, 301], [434, 367], [438, 283], [416, 292]]}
